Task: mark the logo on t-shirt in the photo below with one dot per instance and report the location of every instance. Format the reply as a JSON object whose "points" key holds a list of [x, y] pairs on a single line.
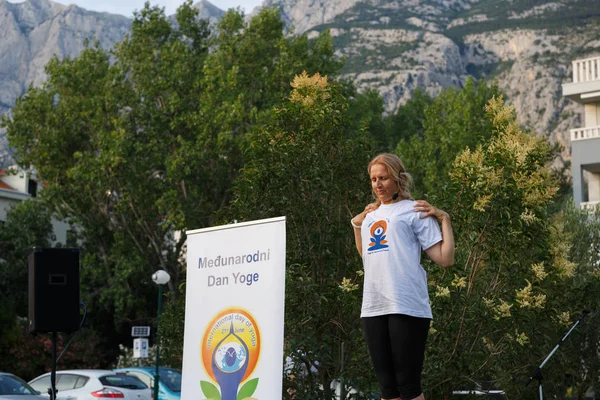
{"points": [[378, 241]]}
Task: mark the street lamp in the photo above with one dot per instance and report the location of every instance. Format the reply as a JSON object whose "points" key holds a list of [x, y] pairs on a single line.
{"points": [[160, 277]]}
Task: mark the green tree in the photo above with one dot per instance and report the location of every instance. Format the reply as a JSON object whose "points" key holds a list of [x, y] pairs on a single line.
{"points": [[365, 115], [454, 120], [515, 288], [98, 134], [140, 143], [581, 231], [27, 224], [408, 121], [305, 166]]}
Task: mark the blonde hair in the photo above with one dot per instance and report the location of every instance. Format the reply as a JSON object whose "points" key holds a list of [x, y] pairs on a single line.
{"points": [[397, 170]]}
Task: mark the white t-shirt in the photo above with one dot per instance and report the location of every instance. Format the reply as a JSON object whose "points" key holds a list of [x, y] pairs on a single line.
{"points": [[392, 239]]}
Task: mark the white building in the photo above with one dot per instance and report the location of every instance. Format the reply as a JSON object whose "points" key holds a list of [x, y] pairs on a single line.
{"points": [[18, 187], [585, 141]]}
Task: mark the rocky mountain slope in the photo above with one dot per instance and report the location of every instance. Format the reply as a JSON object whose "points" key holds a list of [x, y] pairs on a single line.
{"points": [[33, 31], [207, 10], [394, 46]]}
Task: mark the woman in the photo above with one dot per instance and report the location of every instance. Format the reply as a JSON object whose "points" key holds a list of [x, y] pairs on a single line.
{"points": [[396, 314]]}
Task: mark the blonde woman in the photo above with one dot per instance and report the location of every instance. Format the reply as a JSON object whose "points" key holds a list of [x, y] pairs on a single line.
{"points": [[390, 234]]}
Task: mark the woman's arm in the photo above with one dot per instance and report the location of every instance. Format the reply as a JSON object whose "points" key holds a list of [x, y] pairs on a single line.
{"points": [[442, 253], [358, 240], [356, 225]]}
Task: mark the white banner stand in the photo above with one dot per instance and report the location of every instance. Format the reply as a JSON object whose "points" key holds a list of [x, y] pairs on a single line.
{"points": [[235, 288]]}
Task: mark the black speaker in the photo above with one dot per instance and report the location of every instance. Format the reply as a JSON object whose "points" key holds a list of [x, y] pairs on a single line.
{"points": [[53, 290]]}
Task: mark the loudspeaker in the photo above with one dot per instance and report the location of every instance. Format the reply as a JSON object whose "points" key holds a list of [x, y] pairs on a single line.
{"points": [[53, 290]]}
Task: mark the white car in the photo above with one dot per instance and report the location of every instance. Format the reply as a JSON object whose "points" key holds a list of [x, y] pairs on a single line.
{"points": [[93, 384]]}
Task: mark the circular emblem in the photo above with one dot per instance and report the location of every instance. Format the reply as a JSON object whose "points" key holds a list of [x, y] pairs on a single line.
{"points": [[230, 345]]}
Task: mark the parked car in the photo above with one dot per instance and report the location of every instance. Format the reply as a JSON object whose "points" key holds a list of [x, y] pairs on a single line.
{"points": [[92, 384], [14, 388], [169, 383]]}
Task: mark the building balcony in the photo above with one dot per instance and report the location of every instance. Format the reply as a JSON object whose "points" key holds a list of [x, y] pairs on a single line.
{"points": [[589, 205], [590, 132], [586, 81], [586, 70]]}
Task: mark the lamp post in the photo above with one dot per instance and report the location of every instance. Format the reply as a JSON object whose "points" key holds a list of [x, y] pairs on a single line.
{"points": [[160, 277]]}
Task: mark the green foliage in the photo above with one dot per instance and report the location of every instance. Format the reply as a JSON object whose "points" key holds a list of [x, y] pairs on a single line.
{"points": [[27, 224], [453, 121], [305, 166], [409, 120], [516, 286], [30, 355], [171, 330], [96, 133], [138, 144], [583, 291], [365, 116], [126, 359]]}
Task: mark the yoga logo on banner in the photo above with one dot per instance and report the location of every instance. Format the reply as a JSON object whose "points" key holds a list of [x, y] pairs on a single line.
{"points": [[229, 352]]}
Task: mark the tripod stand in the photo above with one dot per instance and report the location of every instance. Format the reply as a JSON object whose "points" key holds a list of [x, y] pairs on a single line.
{"points": [[537, 374]]}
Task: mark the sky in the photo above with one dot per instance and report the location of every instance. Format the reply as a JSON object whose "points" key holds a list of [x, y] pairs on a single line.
{"points": [[126, 7]]}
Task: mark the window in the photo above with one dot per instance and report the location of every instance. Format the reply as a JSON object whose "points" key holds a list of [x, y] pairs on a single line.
{"points": [[81, 381], [143, 377], [171, 378], [66, 382], [123, 381], [585, 178], [32, 188], [42, 384], [11, 385]]}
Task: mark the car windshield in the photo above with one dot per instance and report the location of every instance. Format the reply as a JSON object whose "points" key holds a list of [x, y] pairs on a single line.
{"points": [[12, 385], [171, 378]]}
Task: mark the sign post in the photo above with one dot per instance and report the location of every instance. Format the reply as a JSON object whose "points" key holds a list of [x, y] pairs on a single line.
{"points": [[140, 348], [140, 344]]}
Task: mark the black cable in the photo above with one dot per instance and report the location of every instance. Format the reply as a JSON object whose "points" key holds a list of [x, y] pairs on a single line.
{"points": [[75, 334]]}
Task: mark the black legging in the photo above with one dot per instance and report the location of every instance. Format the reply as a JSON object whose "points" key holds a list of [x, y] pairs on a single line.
{"points": [[397, 347]]}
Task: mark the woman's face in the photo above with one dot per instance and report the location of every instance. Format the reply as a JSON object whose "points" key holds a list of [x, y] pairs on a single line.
{"points": [[382, 183]]}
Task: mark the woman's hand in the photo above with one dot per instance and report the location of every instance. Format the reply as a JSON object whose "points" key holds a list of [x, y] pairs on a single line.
{"points": [[357, 223], [442, 253], [428, 210], [359, 218]]}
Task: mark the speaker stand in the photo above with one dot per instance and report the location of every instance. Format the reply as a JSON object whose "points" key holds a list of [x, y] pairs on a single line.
{"points": [[52, 389]]}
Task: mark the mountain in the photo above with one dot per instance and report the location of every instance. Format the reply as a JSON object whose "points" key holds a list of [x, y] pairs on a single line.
{"points": [[33, 31], [206, 10], [394, 46]]}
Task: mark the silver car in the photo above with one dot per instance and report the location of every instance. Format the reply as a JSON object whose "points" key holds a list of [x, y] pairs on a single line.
{"points": [[14, 388], [93, 384]]}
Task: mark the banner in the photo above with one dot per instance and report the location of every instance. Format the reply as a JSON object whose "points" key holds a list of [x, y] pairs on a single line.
{"points": [[234, 311]]}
